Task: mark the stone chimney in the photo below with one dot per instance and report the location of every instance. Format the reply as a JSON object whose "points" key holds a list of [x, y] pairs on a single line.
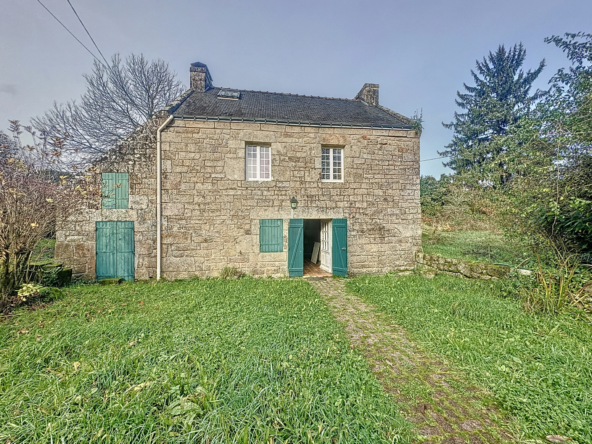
{"points": [[369, 94], [199, 77]]}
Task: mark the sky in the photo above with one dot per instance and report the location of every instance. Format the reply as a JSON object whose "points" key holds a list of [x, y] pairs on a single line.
{"points": [[420, 52]]}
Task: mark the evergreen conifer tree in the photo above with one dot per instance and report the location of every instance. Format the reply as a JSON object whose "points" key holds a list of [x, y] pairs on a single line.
{"points": [[501, 96]]}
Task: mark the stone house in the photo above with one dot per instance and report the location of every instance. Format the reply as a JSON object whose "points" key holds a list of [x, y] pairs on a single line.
{"points": [[268, 183]]}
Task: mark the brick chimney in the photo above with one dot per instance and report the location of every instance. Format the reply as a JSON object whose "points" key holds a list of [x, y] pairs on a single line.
{"points": [[369, 94], [199, 77]]}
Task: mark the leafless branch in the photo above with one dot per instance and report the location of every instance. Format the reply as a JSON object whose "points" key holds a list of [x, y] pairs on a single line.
{"points": [[118, 99]]}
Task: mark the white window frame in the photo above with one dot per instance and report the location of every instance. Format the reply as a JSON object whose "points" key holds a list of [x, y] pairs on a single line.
{"points": [[331, 150], [258, 163]]}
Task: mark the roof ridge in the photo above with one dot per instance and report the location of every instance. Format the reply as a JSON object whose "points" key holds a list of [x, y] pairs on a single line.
{"points": [[288, 122], [395, 114], [178, 101], [287, 94]]}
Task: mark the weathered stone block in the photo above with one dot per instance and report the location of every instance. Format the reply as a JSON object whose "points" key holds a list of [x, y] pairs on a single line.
{"points": [[173, 209]]}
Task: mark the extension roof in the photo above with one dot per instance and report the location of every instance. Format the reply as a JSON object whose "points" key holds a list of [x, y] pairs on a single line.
{"points": [[259, 106]]}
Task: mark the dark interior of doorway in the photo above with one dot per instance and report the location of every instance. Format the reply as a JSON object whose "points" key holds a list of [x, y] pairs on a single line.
{"points": [[312, 234]]}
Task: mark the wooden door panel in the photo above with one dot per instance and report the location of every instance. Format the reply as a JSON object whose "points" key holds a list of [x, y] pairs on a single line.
{"points": [[296, 247], [115, 250], [339, 247]]}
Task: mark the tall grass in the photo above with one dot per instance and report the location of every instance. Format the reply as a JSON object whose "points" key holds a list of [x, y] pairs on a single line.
{"points": [[538, 366], [481, 246], [217, 361]]}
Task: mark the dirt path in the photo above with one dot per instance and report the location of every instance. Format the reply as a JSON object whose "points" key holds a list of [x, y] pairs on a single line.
{"points": [[444, 408]]}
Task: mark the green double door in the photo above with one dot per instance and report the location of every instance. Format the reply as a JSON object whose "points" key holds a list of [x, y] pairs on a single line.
{"points": [[115, 250], [296, 247]]}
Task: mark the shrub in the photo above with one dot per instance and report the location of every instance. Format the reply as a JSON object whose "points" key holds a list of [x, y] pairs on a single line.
{"points": [[432, 194], [28, 291], [50, 294], [550, 290], [36, 186]]}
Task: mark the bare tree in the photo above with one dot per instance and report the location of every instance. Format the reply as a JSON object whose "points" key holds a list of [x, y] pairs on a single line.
{"points": [[118, 99], [35, 187]]}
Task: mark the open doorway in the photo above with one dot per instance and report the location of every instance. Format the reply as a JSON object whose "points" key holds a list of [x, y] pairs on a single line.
{"points": [[329, 257], [317, 247]]}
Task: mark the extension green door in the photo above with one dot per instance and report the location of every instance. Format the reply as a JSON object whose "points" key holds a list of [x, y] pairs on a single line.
{"points": [[115, 250], [339, 247], [296, 247]]}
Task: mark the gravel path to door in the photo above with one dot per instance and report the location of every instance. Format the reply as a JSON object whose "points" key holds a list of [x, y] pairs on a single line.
{"points": [[444, 408]]}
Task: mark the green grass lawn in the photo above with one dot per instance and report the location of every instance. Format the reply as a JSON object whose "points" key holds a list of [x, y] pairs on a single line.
{"points": [[481, 246], [539, 368], [44, 250], [217, 361]]}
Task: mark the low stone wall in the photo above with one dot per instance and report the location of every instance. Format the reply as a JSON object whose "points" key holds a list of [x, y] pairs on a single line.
{"points": [[474, 270], [50, 273]]}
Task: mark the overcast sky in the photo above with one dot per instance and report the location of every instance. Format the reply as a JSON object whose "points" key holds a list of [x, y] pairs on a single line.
{"points": [[420, 52]]}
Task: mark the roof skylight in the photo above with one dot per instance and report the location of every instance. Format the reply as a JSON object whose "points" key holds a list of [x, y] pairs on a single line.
{"points": [[229, 94]]}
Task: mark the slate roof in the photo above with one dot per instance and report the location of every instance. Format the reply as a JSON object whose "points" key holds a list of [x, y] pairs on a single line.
{"points": [[286, 108]]}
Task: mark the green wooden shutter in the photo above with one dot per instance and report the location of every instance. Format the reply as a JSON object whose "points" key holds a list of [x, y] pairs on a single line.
{"points": [[125, 250], [271, 235], [106, 252], [296, 247], [339, 247], [115, 250], [115, 190], [108, 191]]}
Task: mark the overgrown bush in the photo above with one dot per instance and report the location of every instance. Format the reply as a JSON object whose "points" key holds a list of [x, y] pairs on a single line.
{"points": [[432, 194], [37, 186], [551, 289], [548, 160], [449, 204], [569, 217]]}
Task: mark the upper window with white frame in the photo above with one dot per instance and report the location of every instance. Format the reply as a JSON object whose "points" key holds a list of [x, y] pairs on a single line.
{"points": [[332, 164], [258, 166]]}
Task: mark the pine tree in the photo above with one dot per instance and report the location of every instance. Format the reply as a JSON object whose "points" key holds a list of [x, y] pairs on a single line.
{"points": [[501, 96]]}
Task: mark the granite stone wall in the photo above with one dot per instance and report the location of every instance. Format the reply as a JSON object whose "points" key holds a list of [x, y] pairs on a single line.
{"points": [[475, 270], [211, 213], [75, 237]]}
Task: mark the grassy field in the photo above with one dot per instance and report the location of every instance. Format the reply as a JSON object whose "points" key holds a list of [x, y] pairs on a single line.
{"points": [[217, 361], [539, 368], [481, 246]]}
